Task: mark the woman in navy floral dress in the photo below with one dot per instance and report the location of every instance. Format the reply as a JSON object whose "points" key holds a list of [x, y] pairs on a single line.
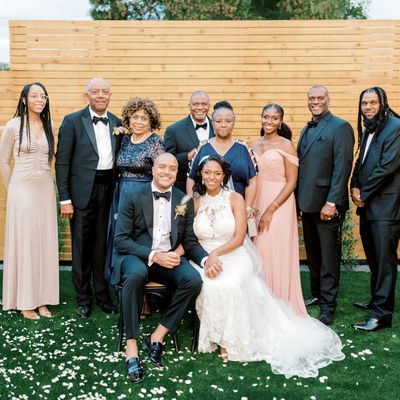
{"points": [[139, 147]]}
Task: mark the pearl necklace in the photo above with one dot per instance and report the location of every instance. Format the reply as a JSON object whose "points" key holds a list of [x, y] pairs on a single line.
{"points": [[141, 139]]}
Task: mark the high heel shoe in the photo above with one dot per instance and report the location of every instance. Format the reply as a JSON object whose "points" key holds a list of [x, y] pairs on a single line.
{"points": [[30, 314], [224, 354], [44, 312]]}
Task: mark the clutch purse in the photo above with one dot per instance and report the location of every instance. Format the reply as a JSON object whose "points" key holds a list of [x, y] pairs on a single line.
{"points": [[251, 227]]}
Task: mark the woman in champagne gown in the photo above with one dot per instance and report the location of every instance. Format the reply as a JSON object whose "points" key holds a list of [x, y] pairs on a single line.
{"points": [[30, 278], [277, 239], [238, 313]]}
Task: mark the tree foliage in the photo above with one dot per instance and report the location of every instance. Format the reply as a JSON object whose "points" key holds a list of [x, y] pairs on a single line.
{"points": [[228, 9], [324, 9]]}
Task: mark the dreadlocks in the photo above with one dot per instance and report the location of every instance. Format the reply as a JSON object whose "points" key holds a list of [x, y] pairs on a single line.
{"points": [[375, 124]]}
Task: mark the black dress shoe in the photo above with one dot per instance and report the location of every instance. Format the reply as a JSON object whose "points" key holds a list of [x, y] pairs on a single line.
{"points": [[108, 308], [373, 324], [155, 351], [84, 311], [363, 306], [313, 301], [326, 317], [134, 370]]}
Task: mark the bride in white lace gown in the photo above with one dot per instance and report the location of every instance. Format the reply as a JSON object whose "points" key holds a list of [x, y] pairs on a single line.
{"points": [[238, 313]]}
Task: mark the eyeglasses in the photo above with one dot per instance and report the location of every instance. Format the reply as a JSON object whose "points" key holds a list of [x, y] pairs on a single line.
{"points": [[36, 97]]}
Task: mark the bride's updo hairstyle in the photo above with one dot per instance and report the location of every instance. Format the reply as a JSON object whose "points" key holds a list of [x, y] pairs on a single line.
{"points": [[199, 186]]}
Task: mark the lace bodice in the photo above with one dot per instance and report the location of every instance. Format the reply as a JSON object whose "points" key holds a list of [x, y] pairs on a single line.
{"points": [[214, 224], [135, 160]]}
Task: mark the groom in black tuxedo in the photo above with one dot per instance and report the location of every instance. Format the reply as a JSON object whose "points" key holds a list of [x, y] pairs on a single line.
{"points": [[375, 190], [183, 137], [85, 174], [154, 229]]}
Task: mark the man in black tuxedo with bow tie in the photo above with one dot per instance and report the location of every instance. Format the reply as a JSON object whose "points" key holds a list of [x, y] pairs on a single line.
{"points": [[325, 152], [154, 230], [85, 173], [375, 190], [183, 137]]}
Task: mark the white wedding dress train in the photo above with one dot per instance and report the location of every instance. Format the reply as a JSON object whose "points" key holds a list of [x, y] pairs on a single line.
{"points": [[238, 312]]}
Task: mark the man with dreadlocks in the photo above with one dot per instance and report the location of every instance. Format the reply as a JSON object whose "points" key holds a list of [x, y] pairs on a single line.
{"points": [[375, 190]]}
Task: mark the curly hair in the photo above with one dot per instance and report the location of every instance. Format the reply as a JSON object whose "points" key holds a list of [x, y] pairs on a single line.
{"points": [[135, 104], [199, 186]]}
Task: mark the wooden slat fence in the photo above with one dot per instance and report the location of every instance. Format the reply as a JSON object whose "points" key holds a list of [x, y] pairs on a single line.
{"points": [[248, 63]]}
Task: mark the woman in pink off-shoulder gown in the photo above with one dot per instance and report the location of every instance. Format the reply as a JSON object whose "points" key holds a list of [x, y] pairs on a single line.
{"points": [[277, 239]]}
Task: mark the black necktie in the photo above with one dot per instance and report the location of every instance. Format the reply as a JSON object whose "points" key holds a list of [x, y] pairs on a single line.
{"points": [[204, 126], [312, 123], [166, 195], [104, 120]]}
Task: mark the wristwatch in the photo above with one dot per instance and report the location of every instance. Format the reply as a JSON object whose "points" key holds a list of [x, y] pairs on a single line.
{"points": [[330, 204]]}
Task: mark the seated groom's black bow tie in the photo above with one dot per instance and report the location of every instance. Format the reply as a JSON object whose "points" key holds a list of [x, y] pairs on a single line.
{"points": [[312, 123], [166, 195], [204, 126], [104, 120]]}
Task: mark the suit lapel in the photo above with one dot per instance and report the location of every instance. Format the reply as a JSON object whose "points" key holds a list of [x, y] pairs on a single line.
{"points": [[175, 198], [88, 124], [192, 131], [212, 134], [317, 133], [147, 206], [300, 140], [111, 124]]}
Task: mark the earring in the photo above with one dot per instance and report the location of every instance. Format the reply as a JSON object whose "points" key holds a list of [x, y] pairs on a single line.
{"points": [[202, 181], [280, 126]]}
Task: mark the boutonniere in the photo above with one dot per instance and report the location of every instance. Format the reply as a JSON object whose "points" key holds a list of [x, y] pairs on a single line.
{"points": [[180, 209], [118, 130]]}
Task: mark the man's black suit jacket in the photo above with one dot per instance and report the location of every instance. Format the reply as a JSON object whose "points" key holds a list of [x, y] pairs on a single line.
{"points": [[325, 164], [180, 138], [77, 156], [134, 228], [378, 177]]}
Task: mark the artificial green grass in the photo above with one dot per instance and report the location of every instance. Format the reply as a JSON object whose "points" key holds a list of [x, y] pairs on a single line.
{"points": [[70, 358]]}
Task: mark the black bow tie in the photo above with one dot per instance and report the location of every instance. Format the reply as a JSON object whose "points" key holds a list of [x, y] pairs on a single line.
{"points": [[312, 123], [104, 120], [166, 195], [204, 126]]}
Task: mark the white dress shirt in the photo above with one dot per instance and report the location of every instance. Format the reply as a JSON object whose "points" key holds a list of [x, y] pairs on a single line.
{"points": [[161, 224], [369, 140], [103, 141], [202, 134]]}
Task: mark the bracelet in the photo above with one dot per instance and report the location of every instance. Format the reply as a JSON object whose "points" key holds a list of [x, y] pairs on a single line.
{"points": [[275, 204]]}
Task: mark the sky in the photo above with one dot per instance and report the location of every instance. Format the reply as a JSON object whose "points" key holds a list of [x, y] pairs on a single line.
{"points": [[79, 10]]}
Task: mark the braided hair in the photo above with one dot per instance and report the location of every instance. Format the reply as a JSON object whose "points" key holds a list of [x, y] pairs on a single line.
{"points": [[22, 111], [374, 124]]}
